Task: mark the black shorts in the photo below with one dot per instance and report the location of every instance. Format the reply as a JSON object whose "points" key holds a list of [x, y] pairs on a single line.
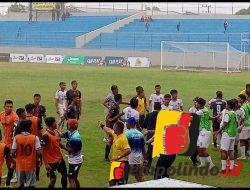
{"points": [[57, 167], [141, 120], [216, 126], [74, 170]]}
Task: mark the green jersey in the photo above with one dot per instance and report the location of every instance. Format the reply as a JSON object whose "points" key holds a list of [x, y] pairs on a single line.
{"points": [[246, 108], [231, 127], [205, 122]]}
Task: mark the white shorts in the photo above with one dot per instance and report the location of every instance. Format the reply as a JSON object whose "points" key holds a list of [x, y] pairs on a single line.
{"points": [[245, 133], [204, 138], [62, 111], [227, 142]]}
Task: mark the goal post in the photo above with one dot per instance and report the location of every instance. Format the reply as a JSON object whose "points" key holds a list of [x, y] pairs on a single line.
{"points": [[200, 56]]}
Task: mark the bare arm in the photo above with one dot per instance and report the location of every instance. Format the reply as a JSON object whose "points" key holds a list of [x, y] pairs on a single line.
{"points": [[105, 129], [125, 153]]}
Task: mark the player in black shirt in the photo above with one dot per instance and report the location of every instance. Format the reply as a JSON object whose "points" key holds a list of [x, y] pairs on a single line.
{"points": [[73, 110], [217, 104], [39, 110]]}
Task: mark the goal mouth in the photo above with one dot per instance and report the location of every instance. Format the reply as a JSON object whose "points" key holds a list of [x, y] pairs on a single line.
{"points": [[201, 56]]}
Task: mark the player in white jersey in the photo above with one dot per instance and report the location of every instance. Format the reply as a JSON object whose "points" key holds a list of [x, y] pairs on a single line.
{"points": [[165, 105], [61, 102], [155, 97], [194, 108], [176, 102], [130, 111]]}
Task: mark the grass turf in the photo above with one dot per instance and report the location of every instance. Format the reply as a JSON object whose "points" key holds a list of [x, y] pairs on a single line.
{"points": [[19, 81]]}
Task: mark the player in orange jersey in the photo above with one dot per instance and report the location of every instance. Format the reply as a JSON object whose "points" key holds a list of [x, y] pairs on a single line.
{"points": [[27, 150], [52, 154]]}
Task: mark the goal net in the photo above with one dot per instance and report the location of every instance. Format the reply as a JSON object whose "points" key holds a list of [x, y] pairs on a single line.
{"points": [[200, 56]]}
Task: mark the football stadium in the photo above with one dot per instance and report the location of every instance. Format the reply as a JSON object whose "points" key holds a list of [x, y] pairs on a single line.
{"points": [[138, 94]]}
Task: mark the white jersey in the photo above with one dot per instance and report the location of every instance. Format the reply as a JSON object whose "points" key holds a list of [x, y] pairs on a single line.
{"points": [[164, 107], [177, 104], [192, 110], [61, 97], [156, 98], [129, 112], [223, 113]]}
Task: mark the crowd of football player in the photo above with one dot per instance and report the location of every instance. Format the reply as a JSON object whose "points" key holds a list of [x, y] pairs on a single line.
{"points": [[26, 145]]}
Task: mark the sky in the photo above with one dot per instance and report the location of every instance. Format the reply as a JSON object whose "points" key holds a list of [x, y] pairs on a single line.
{"points": [[221, 7]]}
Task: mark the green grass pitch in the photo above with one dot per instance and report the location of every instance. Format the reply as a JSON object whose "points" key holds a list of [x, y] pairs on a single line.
{"points": [[19, 81]]}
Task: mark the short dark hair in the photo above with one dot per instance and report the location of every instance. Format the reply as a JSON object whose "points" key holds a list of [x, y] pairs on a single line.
{"points": [[73, 81], [167, 96], [243, 97], [117, 97], [157, 106], [62, 83], [29, 107], [156, 86], [134, 103], [139, 89], [120, 126], [201, 101], [195, 99], [37, 95], [25, 125], [49, 121], [247, 85], [173, 91], [8, 102], [20, 111], [113, 87], [219, 94], [231, 104]]}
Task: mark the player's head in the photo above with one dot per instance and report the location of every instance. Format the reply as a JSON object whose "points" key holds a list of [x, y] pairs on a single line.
{"points": [[25, 125], [231, 104], [37, 99], [114, 89], [248, 89], [167, 98], [8, 106], [138, 90], [195, 101], [30, 108], [174, 94], [118, 98], [76, 99], [72, 124], [219, 94], [50, 123], [74, 84], [157, 88], [241, 99], [21, 113], [133, 103], [130, 123], [118, 127], [157, 106], [201, 102], [62, 85]]}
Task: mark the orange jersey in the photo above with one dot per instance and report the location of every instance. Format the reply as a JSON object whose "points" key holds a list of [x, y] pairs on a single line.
{"points": [[34, 126], [2, 156], [26, 152], [52, 151], [7, 122]]}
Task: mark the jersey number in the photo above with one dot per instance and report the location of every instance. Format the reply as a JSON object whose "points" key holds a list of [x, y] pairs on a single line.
{"points": [[26, 150], [218, 108]]}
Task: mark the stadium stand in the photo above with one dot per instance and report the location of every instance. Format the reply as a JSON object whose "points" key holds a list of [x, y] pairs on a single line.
{"points": [[51, 33], [134, 35]]}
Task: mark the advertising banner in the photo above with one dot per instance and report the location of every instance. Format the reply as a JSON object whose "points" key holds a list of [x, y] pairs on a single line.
{"points": [[35, 58], [94, 60], [54, 58], [18, 57], [73, 59], [44, 6], [4, 56], [116, 61], [139, 61]]}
